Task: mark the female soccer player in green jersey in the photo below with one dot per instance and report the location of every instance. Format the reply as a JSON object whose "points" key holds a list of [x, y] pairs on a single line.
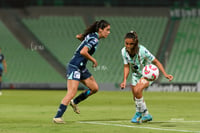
{"points": [[135, 57]]}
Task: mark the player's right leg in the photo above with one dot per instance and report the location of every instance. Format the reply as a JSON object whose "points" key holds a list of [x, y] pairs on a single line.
{"points": [[72, 86], [74, 77], [146, 118], [141, 108], [137, 117]]}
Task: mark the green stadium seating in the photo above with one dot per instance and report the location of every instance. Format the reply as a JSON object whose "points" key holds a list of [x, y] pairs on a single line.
{"points": [[25, 65], [57, 33], [184, 60], [58, 36]]}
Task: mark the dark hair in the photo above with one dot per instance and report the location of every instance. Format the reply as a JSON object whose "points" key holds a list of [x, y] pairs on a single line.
{"points": [[133, 35], [95, 27]]}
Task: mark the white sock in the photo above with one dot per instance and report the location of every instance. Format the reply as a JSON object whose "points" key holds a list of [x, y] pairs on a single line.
{"points": [[141, 106], [145, 112]]}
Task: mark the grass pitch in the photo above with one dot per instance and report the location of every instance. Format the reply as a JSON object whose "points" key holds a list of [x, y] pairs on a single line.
{"points": [[107, 111]]}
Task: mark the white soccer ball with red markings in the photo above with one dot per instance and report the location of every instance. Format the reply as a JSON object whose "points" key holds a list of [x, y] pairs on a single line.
{"points": [[150, 72]]}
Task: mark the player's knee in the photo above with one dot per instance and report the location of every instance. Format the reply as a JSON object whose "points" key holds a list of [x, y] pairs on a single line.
{"points": [[137, 92], [95, 89]]}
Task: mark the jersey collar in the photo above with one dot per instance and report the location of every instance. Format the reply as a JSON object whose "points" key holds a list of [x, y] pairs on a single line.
{"points": [[97, 34]]}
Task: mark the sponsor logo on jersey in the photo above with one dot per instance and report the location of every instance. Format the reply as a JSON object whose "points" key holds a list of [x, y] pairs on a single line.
{"points": [[93, 41]]}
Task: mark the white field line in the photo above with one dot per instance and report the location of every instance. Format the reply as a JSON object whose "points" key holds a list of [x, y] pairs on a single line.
{"points": [[151, 121], [175, 121], [131, 126]]}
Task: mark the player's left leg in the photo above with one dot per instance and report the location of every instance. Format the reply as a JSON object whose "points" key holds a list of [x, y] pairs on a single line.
{"points": [[93, 88], [141, 108]]}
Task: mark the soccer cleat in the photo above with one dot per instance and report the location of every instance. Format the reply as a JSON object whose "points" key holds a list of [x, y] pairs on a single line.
{"points": [[146, 118], [74, 106], [137, 117], [58, 120]]}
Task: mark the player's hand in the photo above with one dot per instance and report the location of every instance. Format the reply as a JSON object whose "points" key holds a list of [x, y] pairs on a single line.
{"points": [[170, 77], [95, 64], [123, 85], [79, 37]]}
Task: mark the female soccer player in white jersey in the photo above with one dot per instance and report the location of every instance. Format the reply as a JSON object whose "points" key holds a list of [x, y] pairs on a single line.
{"points": [[76, 68], [135, 57]]}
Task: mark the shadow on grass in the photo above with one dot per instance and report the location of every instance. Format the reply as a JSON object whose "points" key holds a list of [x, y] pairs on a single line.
{"points": [[162, 123]]}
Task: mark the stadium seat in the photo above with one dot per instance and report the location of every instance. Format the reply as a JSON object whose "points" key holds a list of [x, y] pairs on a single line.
{"points": [[57, 33], [25, 65], [184, 59]]}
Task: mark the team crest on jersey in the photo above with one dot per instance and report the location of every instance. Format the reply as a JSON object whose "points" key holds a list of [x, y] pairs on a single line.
{"points": [[77, 75]]}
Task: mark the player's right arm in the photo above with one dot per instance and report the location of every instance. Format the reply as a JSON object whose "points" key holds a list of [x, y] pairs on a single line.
{"points": [[84, 52], [126, 73], [126, 68]]}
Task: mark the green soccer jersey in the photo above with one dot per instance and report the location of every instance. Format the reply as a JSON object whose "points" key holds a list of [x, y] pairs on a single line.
{"points": [[137, 63]]}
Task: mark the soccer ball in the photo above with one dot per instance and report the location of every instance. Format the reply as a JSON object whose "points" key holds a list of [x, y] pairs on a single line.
{"points": [[150, 72]]}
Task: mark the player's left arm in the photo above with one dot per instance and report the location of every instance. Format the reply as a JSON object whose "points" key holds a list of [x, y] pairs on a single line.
{"points": [[4, 65], [160, 66]]}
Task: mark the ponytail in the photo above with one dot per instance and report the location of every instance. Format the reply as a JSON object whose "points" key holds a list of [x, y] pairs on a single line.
{"points": [[94, 28]]}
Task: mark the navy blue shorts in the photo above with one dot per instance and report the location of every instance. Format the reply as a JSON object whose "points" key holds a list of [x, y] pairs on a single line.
{"points": [[74, 73]]}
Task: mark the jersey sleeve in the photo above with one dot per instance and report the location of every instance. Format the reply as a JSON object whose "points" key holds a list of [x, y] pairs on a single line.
{"points": [[147, 54], [123, 52], [3, 57], [92, 42]]}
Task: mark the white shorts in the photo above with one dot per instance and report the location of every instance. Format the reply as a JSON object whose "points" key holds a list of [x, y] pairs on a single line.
{"points": [[135, 80]]}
